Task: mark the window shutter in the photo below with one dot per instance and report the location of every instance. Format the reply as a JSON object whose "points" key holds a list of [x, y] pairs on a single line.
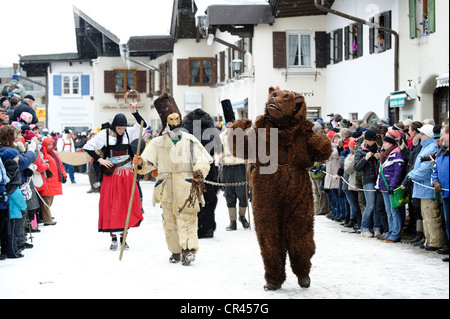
{"points": [[347, 42], [141, 81], [322, 49], [412, 19], [431, 16], [387, 35], [57, 82], [151, 83], [109, 82], [372, 37], [183, 71], [337, 38], [222, 66], [279, 50], [359, 39], [85, 87], [214, 69]]}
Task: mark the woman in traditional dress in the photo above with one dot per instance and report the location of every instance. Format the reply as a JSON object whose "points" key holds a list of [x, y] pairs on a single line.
{"points": [[115, 192]]}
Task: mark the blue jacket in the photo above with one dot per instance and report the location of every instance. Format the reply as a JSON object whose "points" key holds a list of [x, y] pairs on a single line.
{"points": [[440, 173], [24, 161], [17, 204], [421, 172]]}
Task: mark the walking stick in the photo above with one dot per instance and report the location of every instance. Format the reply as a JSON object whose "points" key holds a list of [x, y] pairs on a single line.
{"points": [[246, 194], [133, 188]]}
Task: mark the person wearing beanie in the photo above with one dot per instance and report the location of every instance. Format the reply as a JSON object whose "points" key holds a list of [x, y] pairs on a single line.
{"points": [[117, 181], [183, 164], [366, 162], [420, 175], [391, 167]]}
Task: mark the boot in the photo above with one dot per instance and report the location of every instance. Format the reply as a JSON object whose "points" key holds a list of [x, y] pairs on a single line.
{"points": [[232, 213], [242, 217], [418, 237], [188, 256], [175, 258], [271, 287], [114, 244], [232, 225], [244, 222], [126, 245]]}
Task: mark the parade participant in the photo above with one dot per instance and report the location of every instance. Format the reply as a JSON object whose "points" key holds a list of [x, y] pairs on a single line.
{"points": [[117, 181], [182, 164], [65, 144], [284, 219], [233, 171], [206, 215]]}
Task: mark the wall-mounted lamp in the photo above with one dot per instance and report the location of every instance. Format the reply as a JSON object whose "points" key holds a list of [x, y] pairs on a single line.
{"points": [[236, 65]]}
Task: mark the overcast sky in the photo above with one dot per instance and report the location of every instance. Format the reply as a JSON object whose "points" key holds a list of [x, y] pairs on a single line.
{"points": [[47, 26]]}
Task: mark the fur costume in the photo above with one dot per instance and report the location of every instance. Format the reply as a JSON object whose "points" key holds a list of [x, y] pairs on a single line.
{"points": [[206, 216], [283, 201], [182, 162]]}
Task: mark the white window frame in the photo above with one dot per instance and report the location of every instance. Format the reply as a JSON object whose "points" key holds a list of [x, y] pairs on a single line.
{"points": [[71, 77], [299, 34]]}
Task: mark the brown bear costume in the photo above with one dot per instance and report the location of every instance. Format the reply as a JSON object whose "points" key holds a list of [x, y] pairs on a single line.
{"points": [[283, 201]]}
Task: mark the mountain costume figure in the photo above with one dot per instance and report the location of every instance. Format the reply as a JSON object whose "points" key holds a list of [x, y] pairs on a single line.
{"points": [[182, 163], [283, 205], [114, 141]]}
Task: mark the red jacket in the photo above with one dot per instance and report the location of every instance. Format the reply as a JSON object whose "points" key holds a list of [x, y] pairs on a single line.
{"points": [[41, 168], [56, 167]]}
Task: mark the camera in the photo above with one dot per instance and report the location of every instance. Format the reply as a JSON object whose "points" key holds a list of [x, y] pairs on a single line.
{"points": [[427, 157]]}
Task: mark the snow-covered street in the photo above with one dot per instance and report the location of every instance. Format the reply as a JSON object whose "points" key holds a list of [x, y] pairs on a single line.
{"points": [[73, 260]]}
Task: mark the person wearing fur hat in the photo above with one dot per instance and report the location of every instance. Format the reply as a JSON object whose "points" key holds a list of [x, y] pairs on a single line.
{"points": [[117, 181], [233, 171], [183, 163]]}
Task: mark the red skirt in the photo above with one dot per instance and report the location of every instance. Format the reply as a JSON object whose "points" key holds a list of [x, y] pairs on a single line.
{"points": [[115, 195]]}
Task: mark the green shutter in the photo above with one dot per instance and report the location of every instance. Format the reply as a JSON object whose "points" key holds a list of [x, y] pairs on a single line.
{"points": [[412, 19], [431, 16]]}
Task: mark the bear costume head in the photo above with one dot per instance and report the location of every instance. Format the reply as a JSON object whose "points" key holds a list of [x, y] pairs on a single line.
{"points": [[285, 108]]}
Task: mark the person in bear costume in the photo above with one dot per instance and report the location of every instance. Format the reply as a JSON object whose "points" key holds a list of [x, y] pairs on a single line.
{"points": [[283, 201]]}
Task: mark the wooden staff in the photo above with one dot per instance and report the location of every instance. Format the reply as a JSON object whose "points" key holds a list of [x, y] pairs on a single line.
{"points": [[133, 188], [246, 194]]}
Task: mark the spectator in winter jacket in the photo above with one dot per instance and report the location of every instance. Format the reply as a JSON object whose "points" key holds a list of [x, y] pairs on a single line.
{"points": [[421, 176], [366, 161], [390, 177], [331, 184], [58, 176], [440, 177], [4, 213], [17, 204]]}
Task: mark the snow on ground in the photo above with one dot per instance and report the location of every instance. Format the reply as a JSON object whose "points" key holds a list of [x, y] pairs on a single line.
{"points": [[73, 260]]}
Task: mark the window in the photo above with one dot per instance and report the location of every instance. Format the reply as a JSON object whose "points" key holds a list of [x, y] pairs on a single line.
{"points": [[337, 46], [201, 71], [125, 80], [380, 41], [71, 84], [353, 41], [300, 50]]}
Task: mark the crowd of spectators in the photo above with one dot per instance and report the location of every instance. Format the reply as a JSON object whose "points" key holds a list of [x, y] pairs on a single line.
{"points": [[354, 186]]}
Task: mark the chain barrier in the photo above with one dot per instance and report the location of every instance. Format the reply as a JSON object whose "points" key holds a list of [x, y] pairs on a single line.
{"points": [[226, 184]]}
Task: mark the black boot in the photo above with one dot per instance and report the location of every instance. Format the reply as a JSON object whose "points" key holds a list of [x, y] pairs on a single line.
{"points": [[232, 225], [243, 221], [114, 244], [126, 245]]}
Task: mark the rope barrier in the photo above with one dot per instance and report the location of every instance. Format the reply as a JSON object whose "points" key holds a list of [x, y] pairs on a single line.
{"points": [[374, 190]]}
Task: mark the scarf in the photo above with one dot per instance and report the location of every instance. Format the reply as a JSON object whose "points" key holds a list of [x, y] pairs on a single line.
{"points": [[384, 153], [47, 151]]}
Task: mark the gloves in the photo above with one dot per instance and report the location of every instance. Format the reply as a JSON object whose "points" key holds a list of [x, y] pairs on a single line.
{"points": [[391, 191], [64, 180]]}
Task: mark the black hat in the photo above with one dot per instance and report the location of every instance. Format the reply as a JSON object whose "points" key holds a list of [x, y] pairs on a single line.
{"points": [[166, 105], [228, 111], [29, 97], [370, 135]]}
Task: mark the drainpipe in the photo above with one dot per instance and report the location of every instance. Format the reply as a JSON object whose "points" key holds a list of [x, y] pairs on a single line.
{"points": [[374, 25]]}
